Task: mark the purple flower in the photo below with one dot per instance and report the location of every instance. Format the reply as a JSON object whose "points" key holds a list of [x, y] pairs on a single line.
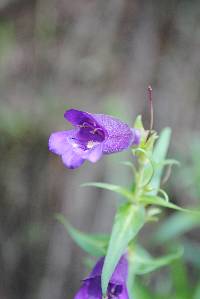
{"points": [[91, 286], [93, 135]]}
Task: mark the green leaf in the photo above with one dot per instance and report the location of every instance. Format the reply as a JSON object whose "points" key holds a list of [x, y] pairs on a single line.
{"points": [[153, 212], [118, 189], [128, 221], [168, 162], [180, 279], [159, 154], [176, 225], [139, 291], [138, 123], [93, 244], [143, 263], [192, 252], [197, 291], [159, 201]]}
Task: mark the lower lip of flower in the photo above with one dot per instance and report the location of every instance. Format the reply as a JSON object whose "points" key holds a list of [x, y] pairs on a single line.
{"points": [[91, 144], [76, 144]]}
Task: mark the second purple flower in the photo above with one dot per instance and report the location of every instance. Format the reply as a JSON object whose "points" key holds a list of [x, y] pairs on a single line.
{"points": [[93, 135], [117, 289]]}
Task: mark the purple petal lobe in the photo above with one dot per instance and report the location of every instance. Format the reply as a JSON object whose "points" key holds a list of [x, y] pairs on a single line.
{"points": [[120, 274], [119, 135], [91, 133], [94, 154], [83, 292], [77, 117], [97, 268], [124, 294], [121, 271], [91, 287], [71, 159], [94, 288], [58, 141], [89, 129]]}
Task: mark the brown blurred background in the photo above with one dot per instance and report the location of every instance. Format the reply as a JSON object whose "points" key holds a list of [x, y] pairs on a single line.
{"points": [[97, 56]]}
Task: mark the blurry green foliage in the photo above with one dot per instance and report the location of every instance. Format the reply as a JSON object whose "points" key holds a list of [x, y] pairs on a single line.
{"points": [[190, 174], [183, 281], [7, 38]]}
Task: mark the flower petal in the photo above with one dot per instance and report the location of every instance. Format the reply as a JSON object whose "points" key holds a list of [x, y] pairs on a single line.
{"points": [[96, 271], [58, 141], [119, 275], [77, 117], [82, 293], [71, 159], [121, 271], [119, 135], [94, 154], [124, 294], [91, 289], [93, 134], [117, 281], [94, 288]]}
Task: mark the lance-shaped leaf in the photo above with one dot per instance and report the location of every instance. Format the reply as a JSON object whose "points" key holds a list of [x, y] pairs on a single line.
{"points": [[115, 188], [95, 245], [142, 262], [168, 162], [180, 279], [197, 291], [159, 201], [159, 154], [128, 221]]}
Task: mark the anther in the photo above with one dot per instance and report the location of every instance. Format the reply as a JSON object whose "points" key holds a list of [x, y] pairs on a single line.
{"points": [[85, 125], [98, 130]]}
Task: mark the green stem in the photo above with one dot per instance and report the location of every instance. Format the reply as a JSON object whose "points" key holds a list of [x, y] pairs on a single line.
{"points": [[139, 182]]}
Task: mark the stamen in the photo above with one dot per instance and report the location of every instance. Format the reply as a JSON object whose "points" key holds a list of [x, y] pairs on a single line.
{"points": [[92, 132], [85, 125], [97, 129]]}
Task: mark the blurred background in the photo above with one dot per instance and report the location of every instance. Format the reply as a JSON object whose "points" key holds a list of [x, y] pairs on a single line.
{"points": [[98, 56]]}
